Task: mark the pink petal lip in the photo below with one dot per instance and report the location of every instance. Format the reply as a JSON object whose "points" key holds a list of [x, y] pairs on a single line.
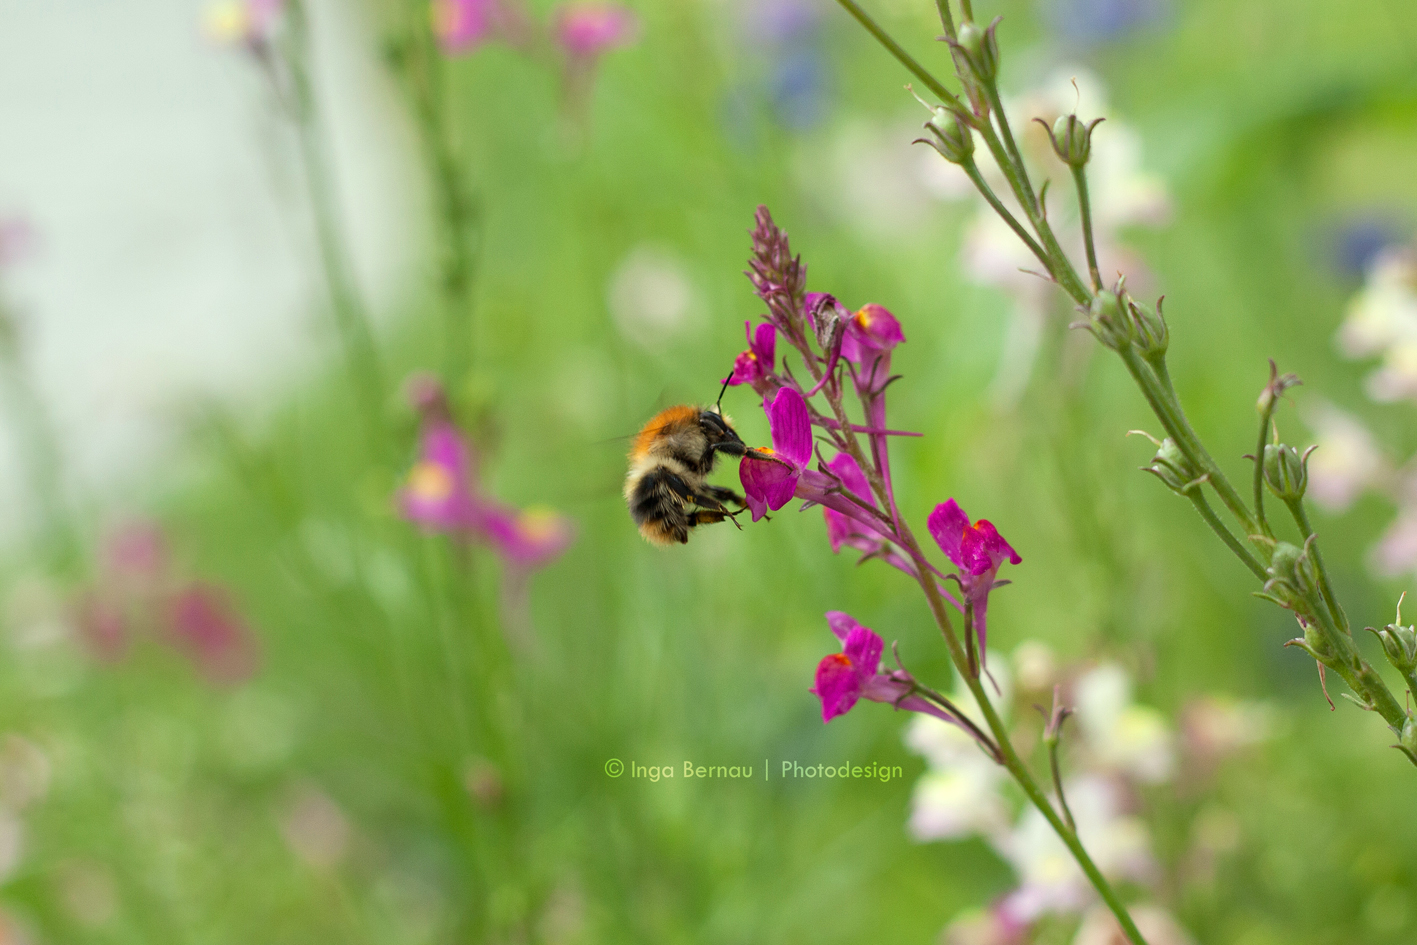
{"points": [[791, 426]]}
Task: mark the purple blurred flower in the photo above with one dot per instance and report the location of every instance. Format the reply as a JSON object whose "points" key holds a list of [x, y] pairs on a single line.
{"points": [[442, 492], [437, 494], [855, 673], [585, 30], [527, 538], [461, 26], [770, 476], [756, 365], [978, 550], [205, 626]]}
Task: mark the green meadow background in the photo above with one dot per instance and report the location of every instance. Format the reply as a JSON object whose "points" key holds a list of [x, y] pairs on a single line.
{"points": [[470, 773]]}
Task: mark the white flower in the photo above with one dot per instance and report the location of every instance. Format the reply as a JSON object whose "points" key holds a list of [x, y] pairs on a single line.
{"points": [[959, 795], [1347, 460], [1050, 878], [651, 297], [1100, 927], [1129, 738], [1384, 313]]}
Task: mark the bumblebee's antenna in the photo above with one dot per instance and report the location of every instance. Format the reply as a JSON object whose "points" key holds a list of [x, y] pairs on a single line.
{"points": [[718, 404]]}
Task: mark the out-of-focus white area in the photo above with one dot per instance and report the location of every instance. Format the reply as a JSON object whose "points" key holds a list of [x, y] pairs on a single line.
{"points": [[174, 257]]}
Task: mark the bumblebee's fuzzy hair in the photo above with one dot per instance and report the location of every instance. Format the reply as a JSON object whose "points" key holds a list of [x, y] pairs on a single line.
{"points": [[669, 461]]}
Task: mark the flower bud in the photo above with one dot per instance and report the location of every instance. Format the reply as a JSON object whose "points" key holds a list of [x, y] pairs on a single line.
{"points": [[951, 137], [1152, 335], [1407, 739], [1284, 586], [1285, 471], [981, 49], [1109, 322], [1172, 467], [1400, 646], [1072, 139]]}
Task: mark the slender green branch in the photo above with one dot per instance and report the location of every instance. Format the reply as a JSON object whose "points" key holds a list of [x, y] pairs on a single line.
{"points": [[1168, 410], [1197, 497], [947, 21], [1085, 208], [457, 212], [1301, 518], [972, 169], [1265, 416], [351, 320], [903, 57]]}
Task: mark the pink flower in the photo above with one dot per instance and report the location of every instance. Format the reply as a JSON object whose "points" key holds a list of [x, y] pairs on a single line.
{"points": [[437, 494], [461, 26], [872, 329], [855, 673], [205, 626], [756, 365], [527, 538], [770, 476], [442, 493], [978, 550], [586, 30], [844, 529]]}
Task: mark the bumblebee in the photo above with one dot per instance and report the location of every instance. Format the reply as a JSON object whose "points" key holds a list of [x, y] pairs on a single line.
{"points": [[670, 460]]}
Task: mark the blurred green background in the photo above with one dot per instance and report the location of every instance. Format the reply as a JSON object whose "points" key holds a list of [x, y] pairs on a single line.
{"points": [[394, 773]]}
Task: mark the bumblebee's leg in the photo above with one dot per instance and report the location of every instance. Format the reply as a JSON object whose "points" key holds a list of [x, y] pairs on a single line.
{"points": [[721, 496], [709, 517]]}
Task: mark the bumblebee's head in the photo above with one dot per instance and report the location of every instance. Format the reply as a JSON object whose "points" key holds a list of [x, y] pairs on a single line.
{"points": [[720, 433]]}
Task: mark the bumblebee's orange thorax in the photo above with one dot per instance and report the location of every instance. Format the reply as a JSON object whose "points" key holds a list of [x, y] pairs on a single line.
{"points": [[664, 423]]}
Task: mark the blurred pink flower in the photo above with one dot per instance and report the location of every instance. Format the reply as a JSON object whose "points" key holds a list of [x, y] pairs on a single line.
{"points": [[204, 624], [17, 240], [102, 626], [461, 26], [442, 492], [586, 30]]}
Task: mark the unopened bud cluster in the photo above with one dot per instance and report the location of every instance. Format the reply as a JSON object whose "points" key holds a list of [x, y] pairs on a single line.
{"points": [[1119, 322], [951, 136]]}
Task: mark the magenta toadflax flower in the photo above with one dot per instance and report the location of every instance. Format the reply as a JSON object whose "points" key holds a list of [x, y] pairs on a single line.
{"points": [[461, 26], [978, 551], [755, 366], [770, 476], [855, 673], [871, 332], [586, 30], [442, 492]]}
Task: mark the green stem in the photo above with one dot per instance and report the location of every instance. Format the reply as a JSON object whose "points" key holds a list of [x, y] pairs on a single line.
{"points": [[1301, 518], [1265, 416], [947, 21], [457, 211], [1058, 783], [351, 321], [1059, 267], [972, 170], [903, 57], [1167, 408], [1008, 757], [1197, 496], [1085, 208]]}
